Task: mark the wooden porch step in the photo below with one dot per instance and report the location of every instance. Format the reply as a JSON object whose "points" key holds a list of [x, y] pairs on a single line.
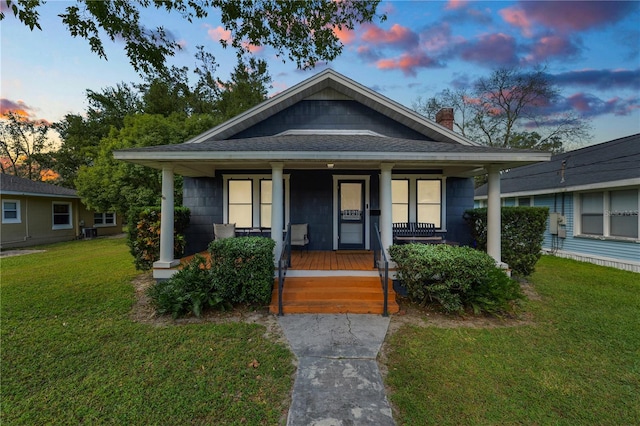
{"points": [[357, 295]]}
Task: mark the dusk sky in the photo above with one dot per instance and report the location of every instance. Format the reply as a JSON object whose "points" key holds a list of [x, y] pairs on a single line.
{"points": [[591, 50]]}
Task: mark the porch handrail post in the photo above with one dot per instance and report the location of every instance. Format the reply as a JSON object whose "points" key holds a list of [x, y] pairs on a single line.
{"points": [[493, 214], [277, 209], [166, 221], [386, 219]]}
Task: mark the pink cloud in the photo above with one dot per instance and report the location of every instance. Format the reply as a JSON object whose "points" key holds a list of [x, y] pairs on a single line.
{"points": [[219, 34], [567, 16], [455, 4], [518, 18], [551, 46], [18, 107], [491, 49], [408, 63], [345, 35], [396, 35]]}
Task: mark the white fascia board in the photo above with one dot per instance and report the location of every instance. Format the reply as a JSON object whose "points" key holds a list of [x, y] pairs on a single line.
{"points": [[333, 156], [575, 188]]}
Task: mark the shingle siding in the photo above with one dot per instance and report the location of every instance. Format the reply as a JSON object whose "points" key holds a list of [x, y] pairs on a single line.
{"points": [[459, 199], [203, 196], [329, 115]]}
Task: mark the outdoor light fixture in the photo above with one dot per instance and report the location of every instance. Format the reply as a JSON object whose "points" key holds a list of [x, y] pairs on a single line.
{"points": [[330, 165]]}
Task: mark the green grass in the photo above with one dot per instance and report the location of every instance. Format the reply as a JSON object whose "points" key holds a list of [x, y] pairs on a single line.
{"points": [[70, 353], [577, 363]]}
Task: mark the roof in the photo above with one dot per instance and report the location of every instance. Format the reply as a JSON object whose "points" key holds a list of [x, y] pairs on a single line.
{"points": [[14, 185], [347, 149], [608, 164]]}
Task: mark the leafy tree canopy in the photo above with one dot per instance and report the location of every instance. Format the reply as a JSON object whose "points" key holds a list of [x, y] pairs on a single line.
{"points": [[24, 146], [301, 31]]}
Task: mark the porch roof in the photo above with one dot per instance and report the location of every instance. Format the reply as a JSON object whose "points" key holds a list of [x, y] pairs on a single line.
{"points": [[315, 151]]}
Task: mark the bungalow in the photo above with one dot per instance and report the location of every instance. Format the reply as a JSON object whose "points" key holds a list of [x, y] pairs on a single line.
{"points": [[332, 154], [593, 195], [39, 213]]}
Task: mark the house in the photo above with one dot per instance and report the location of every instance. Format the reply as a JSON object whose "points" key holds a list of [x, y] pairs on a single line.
{"points": [[333, 154], [36, 213], [593, 195]]}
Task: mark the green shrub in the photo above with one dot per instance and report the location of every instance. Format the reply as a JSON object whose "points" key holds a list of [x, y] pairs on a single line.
{"points": [[190, 290], [144, 234], [494, 294], [440, 273], [522, 235], [242, 268]]}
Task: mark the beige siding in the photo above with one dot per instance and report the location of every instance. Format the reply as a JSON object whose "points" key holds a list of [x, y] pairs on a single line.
{"points": [[36, 222]]}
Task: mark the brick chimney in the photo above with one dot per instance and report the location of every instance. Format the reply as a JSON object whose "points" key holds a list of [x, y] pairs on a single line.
{"points": [[444, 117]]}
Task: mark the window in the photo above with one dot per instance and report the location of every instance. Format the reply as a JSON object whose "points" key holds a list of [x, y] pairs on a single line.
{"points": [[592, 208], [400, 200], [62, 216], [104, 219], [11, 211], [247, 200], [428, 200], [415, 199], [623, 213], [609, 213], [240, 203], [265, 203], [524, 202]]}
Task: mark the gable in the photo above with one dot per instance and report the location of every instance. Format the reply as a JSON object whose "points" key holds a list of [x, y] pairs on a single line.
{"points": [[334, 115]]}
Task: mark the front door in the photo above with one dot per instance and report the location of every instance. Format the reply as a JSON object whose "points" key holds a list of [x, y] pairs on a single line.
{"points": [[351, 214]]}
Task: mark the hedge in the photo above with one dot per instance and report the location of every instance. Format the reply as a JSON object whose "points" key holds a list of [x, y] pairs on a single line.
{"points": [[144, 234], [522, 235], [242, 269]]}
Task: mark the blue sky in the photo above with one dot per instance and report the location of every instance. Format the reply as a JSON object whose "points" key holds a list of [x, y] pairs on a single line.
{"points": [[591, 50]]}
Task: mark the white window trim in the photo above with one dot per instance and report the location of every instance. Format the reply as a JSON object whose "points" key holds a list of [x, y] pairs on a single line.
{"points": [[606, 226], [18, 218], [64, 226], [255, 196], [104, 223], [413, 193]]}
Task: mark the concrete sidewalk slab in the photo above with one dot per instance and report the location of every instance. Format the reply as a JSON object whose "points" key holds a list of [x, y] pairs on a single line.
{"points": [[338, 381]]}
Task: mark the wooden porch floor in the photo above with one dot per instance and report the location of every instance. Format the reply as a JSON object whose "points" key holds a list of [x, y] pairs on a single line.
{"points": [[332, 260]]}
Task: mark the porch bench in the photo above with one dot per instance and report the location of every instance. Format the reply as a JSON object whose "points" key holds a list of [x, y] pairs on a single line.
{"points": [[415, 232]]}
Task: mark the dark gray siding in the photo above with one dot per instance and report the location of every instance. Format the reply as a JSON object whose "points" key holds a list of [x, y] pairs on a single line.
{"points": [[459, 199], [330, 115], [312, 203], [203, 196]]}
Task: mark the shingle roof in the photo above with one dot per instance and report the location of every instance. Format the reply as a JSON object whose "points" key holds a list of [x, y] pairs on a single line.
{"points": [[322, 143], [611, 161], [10, 184]]}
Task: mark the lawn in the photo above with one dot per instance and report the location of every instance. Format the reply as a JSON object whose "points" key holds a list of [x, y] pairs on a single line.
{"points": [[71, 354], [577, 362]]}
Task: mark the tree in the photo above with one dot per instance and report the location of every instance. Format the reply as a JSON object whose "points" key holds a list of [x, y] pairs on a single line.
{"points": [[246, 88], [510, 108], [111, 185], [24, 146], [302, 31]]}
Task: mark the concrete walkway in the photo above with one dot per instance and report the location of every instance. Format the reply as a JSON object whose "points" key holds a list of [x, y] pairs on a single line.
{"points": [[338, 382]]}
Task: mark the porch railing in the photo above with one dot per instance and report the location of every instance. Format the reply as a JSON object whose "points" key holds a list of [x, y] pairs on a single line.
{"points": [[381, 262], [283, 264]]}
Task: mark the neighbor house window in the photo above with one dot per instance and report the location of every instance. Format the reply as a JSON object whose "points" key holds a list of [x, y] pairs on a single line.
{"points": [[429, 200], [11, 211], [592, 210], [610, 213], [104, 219], [400, 200], [623, 213], [416, 199], [62, 216], [524, 201]]}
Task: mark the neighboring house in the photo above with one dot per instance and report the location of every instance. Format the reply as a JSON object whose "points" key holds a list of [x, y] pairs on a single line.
{"points": [[593, 195], [345, 158], [36, 213]]}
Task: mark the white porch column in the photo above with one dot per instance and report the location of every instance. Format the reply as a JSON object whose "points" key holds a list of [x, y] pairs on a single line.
{"points": [[493, 215], [277, 209], [386, 219], [166, 222]]}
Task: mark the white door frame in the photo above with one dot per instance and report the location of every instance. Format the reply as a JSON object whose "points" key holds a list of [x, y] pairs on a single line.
{"points": [[367, 204]]}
